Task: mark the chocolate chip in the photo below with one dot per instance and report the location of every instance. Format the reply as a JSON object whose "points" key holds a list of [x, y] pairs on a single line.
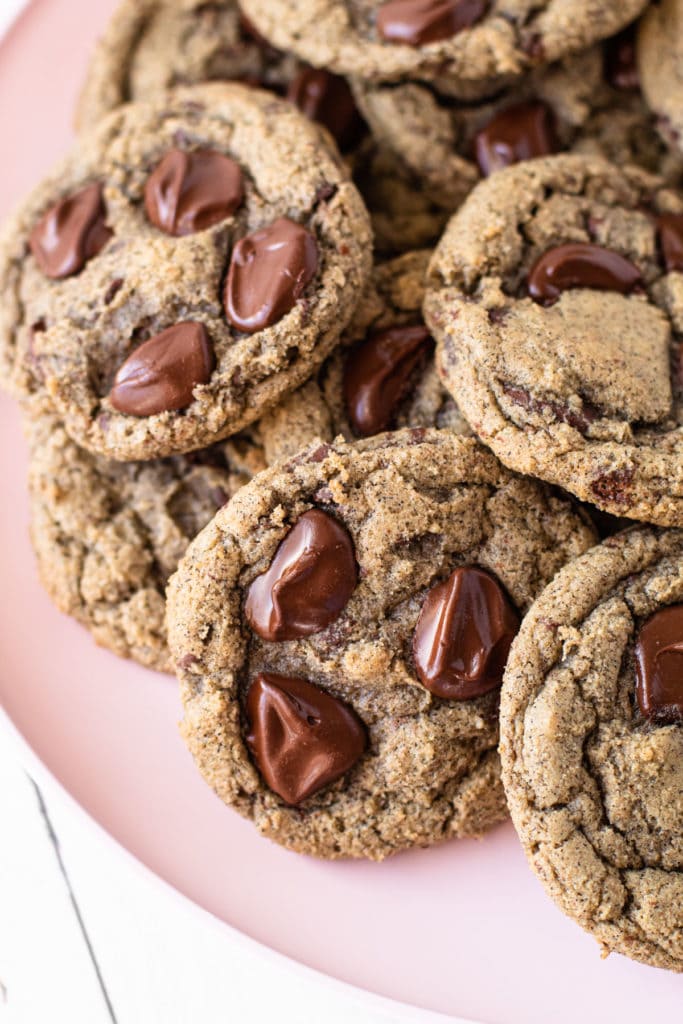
{"points": [[416, 22], [301, 738], [621, 67], [378, 373], [328, 100], [580, 265], [71, 233], [463, 635], [113, 290], [268, 273], [613, 486], [309, 582], [659, 666], [162, 373], [670, 235], [189, 192], [578, 419], [519, 132]]}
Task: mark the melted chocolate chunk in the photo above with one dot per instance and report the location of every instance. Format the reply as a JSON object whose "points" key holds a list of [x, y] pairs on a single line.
{"points": [[519, 132], [463, 635], [670, 235], [659, 666], [269, 271], [580, 265], [379, 372], [162, 373], [301, 738], [71, 233], [417, 22], [328, 100], [309, 582], [189, 192]]}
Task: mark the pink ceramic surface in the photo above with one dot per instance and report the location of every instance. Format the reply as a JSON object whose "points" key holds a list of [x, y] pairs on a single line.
{"points": [[464, 928]]}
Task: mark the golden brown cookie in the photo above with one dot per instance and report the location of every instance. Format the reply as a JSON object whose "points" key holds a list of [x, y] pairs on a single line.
{"points": [[556, 299], [340, 631], [592, 743], [193, 260]]}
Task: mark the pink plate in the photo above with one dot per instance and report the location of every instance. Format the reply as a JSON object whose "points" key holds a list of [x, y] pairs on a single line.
{"points": [[464, 929]]}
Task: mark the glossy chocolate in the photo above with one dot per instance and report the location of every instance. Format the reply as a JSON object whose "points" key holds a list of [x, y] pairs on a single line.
{"points": [[71, 233], [659, 666], [417, 22], [328, 100], [309, 582], [269, 271], [162, 373], [580, 265], [670, 235], [463, 635], [378, 374], [520, 132], [189, 192], [300, 737]]}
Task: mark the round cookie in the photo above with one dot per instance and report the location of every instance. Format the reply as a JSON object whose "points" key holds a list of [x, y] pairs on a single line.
{"points": [[660, 63], [592, 743], [472, 42], [382, 376], [556, 299], [150, 46], [314, 624], [189, 263], [587, 103], [107, 535]]}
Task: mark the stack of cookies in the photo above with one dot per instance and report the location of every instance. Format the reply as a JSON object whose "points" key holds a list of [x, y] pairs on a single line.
{"points": [[342, 336]]}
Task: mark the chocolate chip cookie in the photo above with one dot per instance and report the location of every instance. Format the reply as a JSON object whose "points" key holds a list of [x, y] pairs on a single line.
{"points": [[383, 375], [107, 535], [592, 743], [472, 42], [556, 299], [150, 46], [660, 62], [340, 631], [588, 103], [191, 261]]}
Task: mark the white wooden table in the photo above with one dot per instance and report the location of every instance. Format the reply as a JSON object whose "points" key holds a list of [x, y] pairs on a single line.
{"points": [[87, 936]]}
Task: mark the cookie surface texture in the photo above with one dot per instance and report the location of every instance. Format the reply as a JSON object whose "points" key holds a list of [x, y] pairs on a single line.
{"points": [[592, 743], [556, 299], [191, 262], [315, 579]]}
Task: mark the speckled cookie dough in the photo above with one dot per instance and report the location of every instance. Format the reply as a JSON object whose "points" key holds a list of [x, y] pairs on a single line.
{"points": [[107, 535], [660, 63], [592, 743], [588, 103], [192, 261], [556, 299], [302, 625], [472, 42], [382, 376]]}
